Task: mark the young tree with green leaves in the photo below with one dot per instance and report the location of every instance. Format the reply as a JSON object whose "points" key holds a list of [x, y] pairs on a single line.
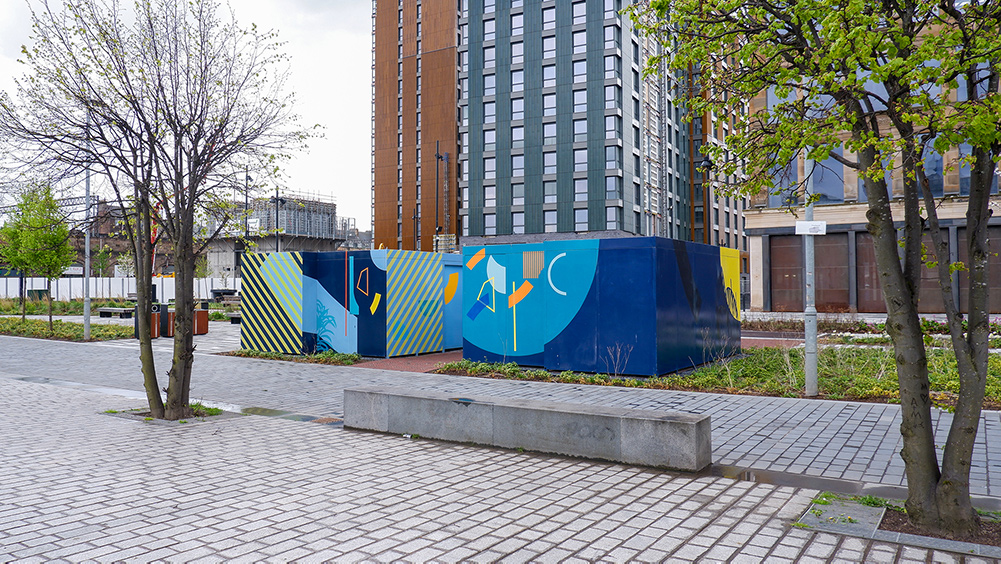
{"points": [[864, 83], [36, 239], [170, 101]]}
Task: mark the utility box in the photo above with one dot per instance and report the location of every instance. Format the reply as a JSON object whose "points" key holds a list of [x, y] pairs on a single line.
{"points": [[640, 306], [378, 303]]}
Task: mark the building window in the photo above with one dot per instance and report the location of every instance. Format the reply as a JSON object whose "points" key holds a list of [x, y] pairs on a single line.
{"points": [[549, 76], [579, 13], [548, 47], [580, 160], [488, 6], [579, 130], [613, 157], [613, 217], [489, 140], [489, 168], [489, 85], [489, 196], [517, 53], [549, 192], [579, 101], [549, 105], [517, 137], [613, 66], [549, 18], [517, 194], [517, 24], [611, 9], [580, 220], [580, 189], [518, 165], [490, 31], [549, 219], [489, 57], [489, 112], [549, 134], [489, 224], [548, 163], [613, 187], [580, 71], [612, 37], [518, 222], [517, 109], [580, 42], [613, 97], [613, 126]]}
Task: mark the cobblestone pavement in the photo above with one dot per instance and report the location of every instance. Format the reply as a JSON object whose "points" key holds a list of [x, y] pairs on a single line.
{"points": [[77, 484], [829, 439]]}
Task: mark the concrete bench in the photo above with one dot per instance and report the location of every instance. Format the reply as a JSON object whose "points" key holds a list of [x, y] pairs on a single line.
{"points": [[122, 312], [678, 441], [234, 317]]}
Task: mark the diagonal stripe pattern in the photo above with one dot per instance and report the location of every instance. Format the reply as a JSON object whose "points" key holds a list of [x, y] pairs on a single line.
{"points": [[271, 293], [413, 303]]}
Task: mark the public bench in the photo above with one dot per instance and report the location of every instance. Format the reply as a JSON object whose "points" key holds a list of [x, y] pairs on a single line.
{"points": [[234, 317], [122, 312], [678, 441]]}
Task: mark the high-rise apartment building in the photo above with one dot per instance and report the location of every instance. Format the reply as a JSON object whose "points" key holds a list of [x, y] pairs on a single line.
{"points": [[555, 130], [414, 132]]}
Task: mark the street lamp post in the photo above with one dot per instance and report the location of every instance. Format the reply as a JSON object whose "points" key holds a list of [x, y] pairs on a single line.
{"points": [[809, 307], [86, 245]]}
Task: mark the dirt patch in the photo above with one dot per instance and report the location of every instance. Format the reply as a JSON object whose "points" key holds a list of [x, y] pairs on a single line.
{"points": [[896, 521]]}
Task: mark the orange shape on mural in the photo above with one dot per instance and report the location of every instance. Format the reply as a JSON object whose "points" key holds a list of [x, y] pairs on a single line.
{"points": [[476, 258], [519, 294]]}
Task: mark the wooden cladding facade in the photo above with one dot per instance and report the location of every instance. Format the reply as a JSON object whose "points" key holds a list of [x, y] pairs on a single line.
{"points": [[424, 66]]}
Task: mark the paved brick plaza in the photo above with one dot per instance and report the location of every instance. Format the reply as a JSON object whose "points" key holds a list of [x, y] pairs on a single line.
{"points": [[78, 484]]}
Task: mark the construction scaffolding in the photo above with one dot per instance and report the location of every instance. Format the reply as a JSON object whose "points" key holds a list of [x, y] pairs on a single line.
{"points": [[296, 215]]}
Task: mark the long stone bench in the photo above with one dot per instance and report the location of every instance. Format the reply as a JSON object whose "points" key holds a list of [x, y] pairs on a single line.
{"points": [[678, 441]]}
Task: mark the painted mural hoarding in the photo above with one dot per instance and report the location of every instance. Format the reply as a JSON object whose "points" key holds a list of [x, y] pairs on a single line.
{"points": [[378, 303], [640, 306]]}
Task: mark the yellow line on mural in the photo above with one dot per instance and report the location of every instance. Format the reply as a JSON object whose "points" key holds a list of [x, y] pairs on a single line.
{"points": [[514, 318], [375, 303]]}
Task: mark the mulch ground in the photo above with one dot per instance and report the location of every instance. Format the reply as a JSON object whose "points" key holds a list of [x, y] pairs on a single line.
{"points": [[896, 521]]}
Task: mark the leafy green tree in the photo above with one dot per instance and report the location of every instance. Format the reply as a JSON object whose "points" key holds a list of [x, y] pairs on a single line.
{"points": [[164, 101], [36, 240], [865, 83], [102, 260]]}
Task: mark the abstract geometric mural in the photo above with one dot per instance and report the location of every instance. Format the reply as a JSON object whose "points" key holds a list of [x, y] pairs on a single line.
{"points": [[375, 303], [639, 306], [272, 296]]}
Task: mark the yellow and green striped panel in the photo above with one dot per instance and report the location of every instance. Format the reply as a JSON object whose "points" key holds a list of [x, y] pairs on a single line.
{"points": [[413, 308], [272, 302]]}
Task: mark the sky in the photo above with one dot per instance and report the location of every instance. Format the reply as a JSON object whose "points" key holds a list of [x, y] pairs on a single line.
{"points": [[330, 45]]}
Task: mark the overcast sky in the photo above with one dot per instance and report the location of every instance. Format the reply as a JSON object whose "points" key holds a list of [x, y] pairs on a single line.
{"points": [[330, 43]]}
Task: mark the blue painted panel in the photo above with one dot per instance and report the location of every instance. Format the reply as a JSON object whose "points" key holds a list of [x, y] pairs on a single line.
{"points": [[641, 306]]}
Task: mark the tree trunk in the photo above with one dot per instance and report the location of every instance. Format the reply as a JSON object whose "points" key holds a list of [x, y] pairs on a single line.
{"points": [[143, 255], [180, 371], [48, 288], [904, 328]]}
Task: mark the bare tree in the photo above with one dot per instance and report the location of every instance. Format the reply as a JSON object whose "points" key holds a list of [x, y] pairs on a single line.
{"points": [[164, 100]]}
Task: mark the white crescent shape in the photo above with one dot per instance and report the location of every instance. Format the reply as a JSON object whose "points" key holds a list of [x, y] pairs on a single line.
{"points": [[549, 274]]}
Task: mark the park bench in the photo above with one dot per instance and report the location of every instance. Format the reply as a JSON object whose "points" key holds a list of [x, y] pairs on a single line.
{"points": [[122, 312], [234, 317], [678, 441]]}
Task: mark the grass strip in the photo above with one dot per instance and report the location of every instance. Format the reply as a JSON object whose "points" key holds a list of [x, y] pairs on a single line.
{"points": [[844, 373], [325, 357], [62, 330]]}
